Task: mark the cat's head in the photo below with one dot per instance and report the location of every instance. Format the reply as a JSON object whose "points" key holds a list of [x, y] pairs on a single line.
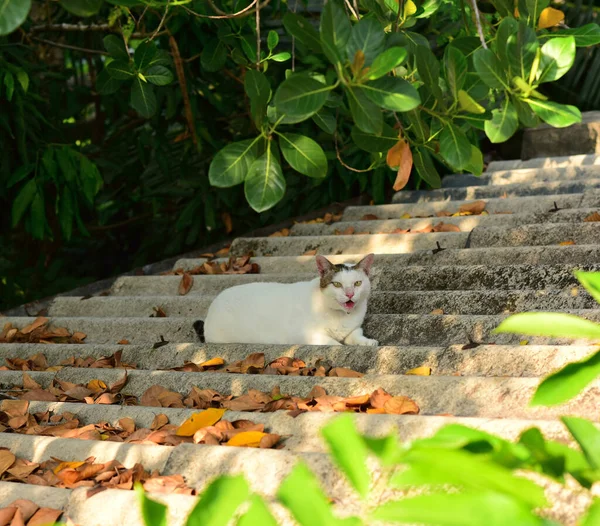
{"points": [[346, 285]]}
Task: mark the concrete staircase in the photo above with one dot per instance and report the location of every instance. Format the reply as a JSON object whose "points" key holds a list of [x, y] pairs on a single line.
{"points": [[437, 297]]}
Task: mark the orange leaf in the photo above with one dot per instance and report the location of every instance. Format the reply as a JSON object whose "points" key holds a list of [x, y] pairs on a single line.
{"points": [[96, 386], [475, 207], [80, 336], [357, 400], [123, 342], [592, 218], [186, 283], [445, 227], [437, 311], [199, 420], [213, 362], [566, 243], [33, 326], [399, 156], [550, 17], [246, 439], [7, 459], [45, 516], [227, 222], [67, 465], [401, 405], [310, 252], [420, 371]]}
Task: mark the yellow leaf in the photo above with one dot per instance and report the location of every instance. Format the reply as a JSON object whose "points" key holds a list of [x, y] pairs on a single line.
{"points": [[199, 420], [410, 8], [523, 342], [566, 243], [550, 17], [468, 103], [96, 386], [420, 371], [246, 439], [405, 216], [213, 362], [67, 465]]}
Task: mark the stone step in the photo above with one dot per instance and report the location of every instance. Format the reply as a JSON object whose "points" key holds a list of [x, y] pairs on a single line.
{"points": [[410, 277], [451, 302], [545, 162], [507, 190], [494, 205], [484, 397], [525, 235], [492, 256], [465, 223], [522, 175]]}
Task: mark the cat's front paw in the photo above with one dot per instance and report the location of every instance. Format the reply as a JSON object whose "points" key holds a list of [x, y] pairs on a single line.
{"points": [[368, 341]]}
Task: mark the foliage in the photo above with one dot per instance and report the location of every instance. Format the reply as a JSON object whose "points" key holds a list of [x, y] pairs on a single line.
{"points": [[111, 112]]}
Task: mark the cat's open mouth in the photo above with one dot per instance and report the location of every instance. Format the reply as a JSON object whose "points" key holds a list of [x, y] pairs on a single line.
{"points": [[349, 304]]}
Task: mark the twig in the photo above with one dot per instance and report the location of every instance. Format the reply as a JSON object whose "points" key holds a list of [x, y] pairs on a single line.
{"points": [[162, 21], [257, 10], [351, 9], [356, 9], [244, 12], [339, 158], [189, 117], [69, 27], [68, 46], [478, 23], [400, 12]]}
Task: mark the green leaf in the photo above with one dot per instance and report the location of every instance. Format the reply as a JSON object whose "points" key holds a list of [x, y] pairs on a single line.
{"points": [[455, 66], [392, 93], [159, 75], [468, 103], [325, 120], [300, 95], [504, 123], [455, 148], [489, 69], [366, 36], [526, 115], [585, 36], [587, 436], [366, 115], [568, 382], [49, 166], [431, 466], [107, 85], [143, 99], [591, 282], [508, 27], [521, 49], [281, 57], [116, 47], [303, 154], [19, 174], [429, 71], [64, 157], [23, 200], [120, 70], [258, 514], [214, 55], [144, 54], [91, 180], [592, 517], [66, 213], [153, 512], [475, 164], [375, 143], [385, 62], [558, 56], [349, 452], [301, 493], [419, 127], [13, 14], [462, 509], [387, 449], [38, 216], [264, 185], [302, 31], [272, 40], [23, 79], [551, 324], [557, 115], [425, 168], [259, 92], [231, 164], [504, 7], [534, 8], [334, 31], [219, 502], [82, 7], [9, 82]]}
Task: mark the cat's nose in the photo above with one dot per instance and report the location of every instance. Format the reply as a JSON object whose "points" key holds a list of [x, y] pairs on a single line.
{"points": [[350, 294]]}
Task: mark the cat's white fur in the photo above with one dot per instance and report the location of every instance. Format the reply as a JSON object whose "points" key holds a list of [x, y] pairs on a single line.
{"points": [[295, 313]]}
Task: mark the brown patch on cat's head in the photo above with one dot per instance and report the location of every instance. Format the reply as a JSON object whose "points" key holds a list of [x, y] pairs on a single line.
{"points": [[327, 270]]}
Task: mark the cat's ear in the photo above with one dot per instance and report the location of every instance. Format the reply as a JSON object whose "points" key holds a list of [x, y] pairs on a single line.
{"points": [[365, 263], [323, 265]]}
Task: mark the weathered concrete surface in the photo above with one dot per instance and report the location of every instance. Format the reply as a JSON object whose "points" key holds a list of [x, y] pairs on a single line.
{"points": [[546, 141], [536, 235], [545, 162], [523, 175], [507, 190], [43, 496]]}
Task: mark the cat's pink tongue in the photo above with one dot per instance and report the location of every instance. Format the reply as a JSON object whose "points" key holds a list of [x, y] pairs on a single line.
{"points": [[349, 304]]}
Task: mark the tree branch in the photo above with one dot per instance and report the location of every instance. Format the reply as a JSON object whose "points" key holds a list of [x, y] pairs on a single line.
{"points": [[339, 158], [189, 116], [222, 14], [162, 21], [478, 23], [257, 10], [68, 46]]}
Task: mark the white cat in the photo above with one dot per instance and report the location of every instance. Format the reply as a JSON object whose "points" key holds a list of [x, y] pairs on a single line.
{"points": [[328, 310]]}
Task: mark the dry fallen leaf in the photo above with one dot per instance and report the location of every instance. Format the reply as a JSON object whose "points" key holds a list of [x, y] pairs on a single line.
{"points": [[369, 217], [437, 311], [399, 156], [401, 405], [7, 459], [246, 439], [445, 227], [474, 208], [226, 217], [566, 243], [310, 252], [213, 362], [420, 371], [123, 342], [197, 421], [36, 324], [186, 284], [595, 217], [284, 232]]}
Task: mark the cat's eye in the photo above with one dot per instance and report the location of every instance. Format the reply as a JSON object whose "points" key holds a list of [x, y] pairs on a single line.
{"points": [[357, 283], [337, 284]]}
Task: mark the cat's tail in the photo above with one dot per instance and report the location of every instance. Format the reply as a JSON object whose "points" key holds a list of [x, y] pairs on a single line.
{"points": [[199, 328]]}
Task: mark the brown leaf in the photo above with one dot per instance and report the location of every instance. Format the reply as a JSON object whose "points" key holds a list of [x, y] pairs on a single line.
{"points": [[476, 207], [18, 518], [445, 227], [14, 407], [186, 284], [40, 395], [269, 440], [437, 311], [566, 243], [343, 372], [595, 217], [400, 156], [159, 421], [357, 400], [44, 516], [159, 312], [310, 252], [123, 342], [7, 459], [40, 321], [316, 392], [400, 231], [443, 213], [254, 360], [27, 507], [281, 233], [30, 383], [119, 384], [401, 405], [127, 424], [226, 217], [6, 515], [369, 217], [379, 398]]}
